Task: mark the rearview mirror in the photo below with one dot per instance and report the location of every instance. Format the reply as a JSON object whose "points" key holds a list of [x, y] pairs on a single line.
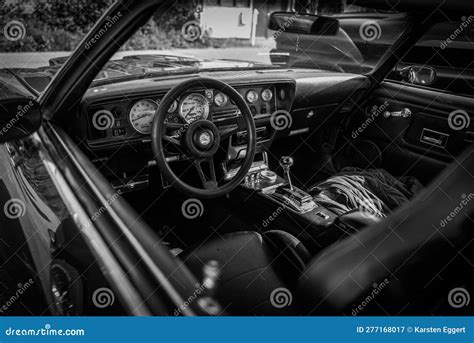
{"points": [[307, 24], [19, 118], [419, 75]]}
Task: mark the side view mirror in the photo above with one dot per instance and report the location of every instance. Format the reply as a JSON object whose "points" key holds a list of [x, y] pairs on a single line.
{"points": [[419, 75], [308, 24], [19, 118]]}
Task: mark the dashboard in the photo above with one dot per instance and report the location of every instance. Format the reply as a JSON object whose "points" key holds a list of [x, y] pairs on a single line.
{"points": [[113, 123]]}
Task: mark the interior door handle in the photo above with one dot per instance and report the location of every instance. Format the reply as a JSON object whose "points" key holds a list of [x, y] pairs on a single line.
{"points": [[404, 113]]}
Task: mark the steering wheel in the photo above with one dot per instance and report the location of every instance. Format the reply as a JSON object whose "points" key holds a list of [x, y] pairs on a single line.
{"points": [[200, 139]]}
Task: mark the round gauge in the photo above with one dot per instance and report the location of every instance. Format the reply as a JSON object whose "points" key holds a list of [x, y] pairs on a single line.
{"points": [[267, 94], [194, 107], [252, 96], [141, 115], [220, 99]]}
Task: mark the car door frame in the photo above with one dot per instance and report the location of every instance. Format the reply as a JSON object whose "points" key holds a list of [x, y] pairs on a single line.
{"points": [[147, 278]]}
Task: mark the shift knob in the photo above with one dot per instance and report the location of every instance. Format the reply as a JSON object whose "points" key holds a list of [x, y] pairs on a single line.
{"points": [[286, 162]]}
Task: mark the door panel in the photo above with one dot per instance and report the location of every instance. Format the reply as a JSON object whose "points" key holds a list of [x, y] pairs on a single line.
{"points": [[439, 128]]}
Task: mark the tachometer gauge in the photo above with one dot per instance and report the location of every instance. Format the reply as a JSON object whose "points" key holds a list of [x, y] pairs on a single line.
{"points": [[267, 94], [141, 115], [220, 99], [252, 96], [194, 107]]}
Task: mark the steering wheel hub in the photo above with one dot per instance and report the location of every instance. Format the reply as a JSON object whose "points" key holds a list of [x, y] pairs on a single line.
{"points": [[202, 138]]}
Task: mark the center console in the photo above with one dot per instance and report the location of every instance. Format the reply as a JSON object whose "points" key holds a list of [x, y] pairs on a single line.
{"points": [[278, 203]]}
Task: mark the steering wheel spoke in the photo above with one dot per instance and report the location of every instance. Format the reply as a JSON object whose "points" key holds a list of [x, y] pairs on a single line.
{"points": [[172, 140], [208, 181], [175, 126], [228, 130]]}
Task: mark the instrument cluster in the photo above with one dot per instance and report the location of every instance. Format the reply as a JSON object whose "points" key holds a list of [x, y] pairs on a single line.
{"points": [[132, 119]]}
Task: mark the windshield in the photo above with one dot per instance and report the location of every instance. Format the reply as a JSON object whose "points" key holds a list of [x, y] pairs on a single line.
{"points": [[193, 36]]}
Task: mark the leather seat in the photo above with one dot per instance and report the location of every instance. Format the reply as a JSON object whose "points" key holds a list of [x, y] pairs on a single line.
{"points": [[252, 266], [416, 254]]}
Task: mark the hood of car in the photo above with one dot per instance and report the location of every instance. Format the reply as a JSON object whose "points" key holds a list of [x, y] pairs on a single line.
{"points": [[36, 79]]}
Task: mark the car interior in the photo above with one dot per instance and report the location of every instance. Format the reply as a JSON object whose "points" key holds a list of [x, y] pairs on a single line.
{"points": [[321, 182]]}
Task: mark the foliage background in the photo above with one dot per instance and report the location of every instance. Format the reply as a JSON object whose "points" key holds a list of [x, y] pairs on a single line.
{"points": [[61, 25]]}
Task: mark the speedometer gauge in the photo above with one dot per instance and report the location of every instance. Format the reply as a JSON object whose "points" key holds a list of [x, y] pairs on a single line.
{"points": [[141, 115], [194, 107]]}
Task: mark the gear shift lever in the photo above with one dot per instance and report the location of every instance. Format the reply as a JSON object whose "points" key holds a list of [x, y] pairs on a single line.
{"points": [[286, 162]]}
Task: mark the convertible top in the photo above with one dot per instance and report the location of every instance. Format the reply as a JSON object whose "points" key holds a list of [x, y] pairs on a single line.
{"points": [[419, 5]]}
